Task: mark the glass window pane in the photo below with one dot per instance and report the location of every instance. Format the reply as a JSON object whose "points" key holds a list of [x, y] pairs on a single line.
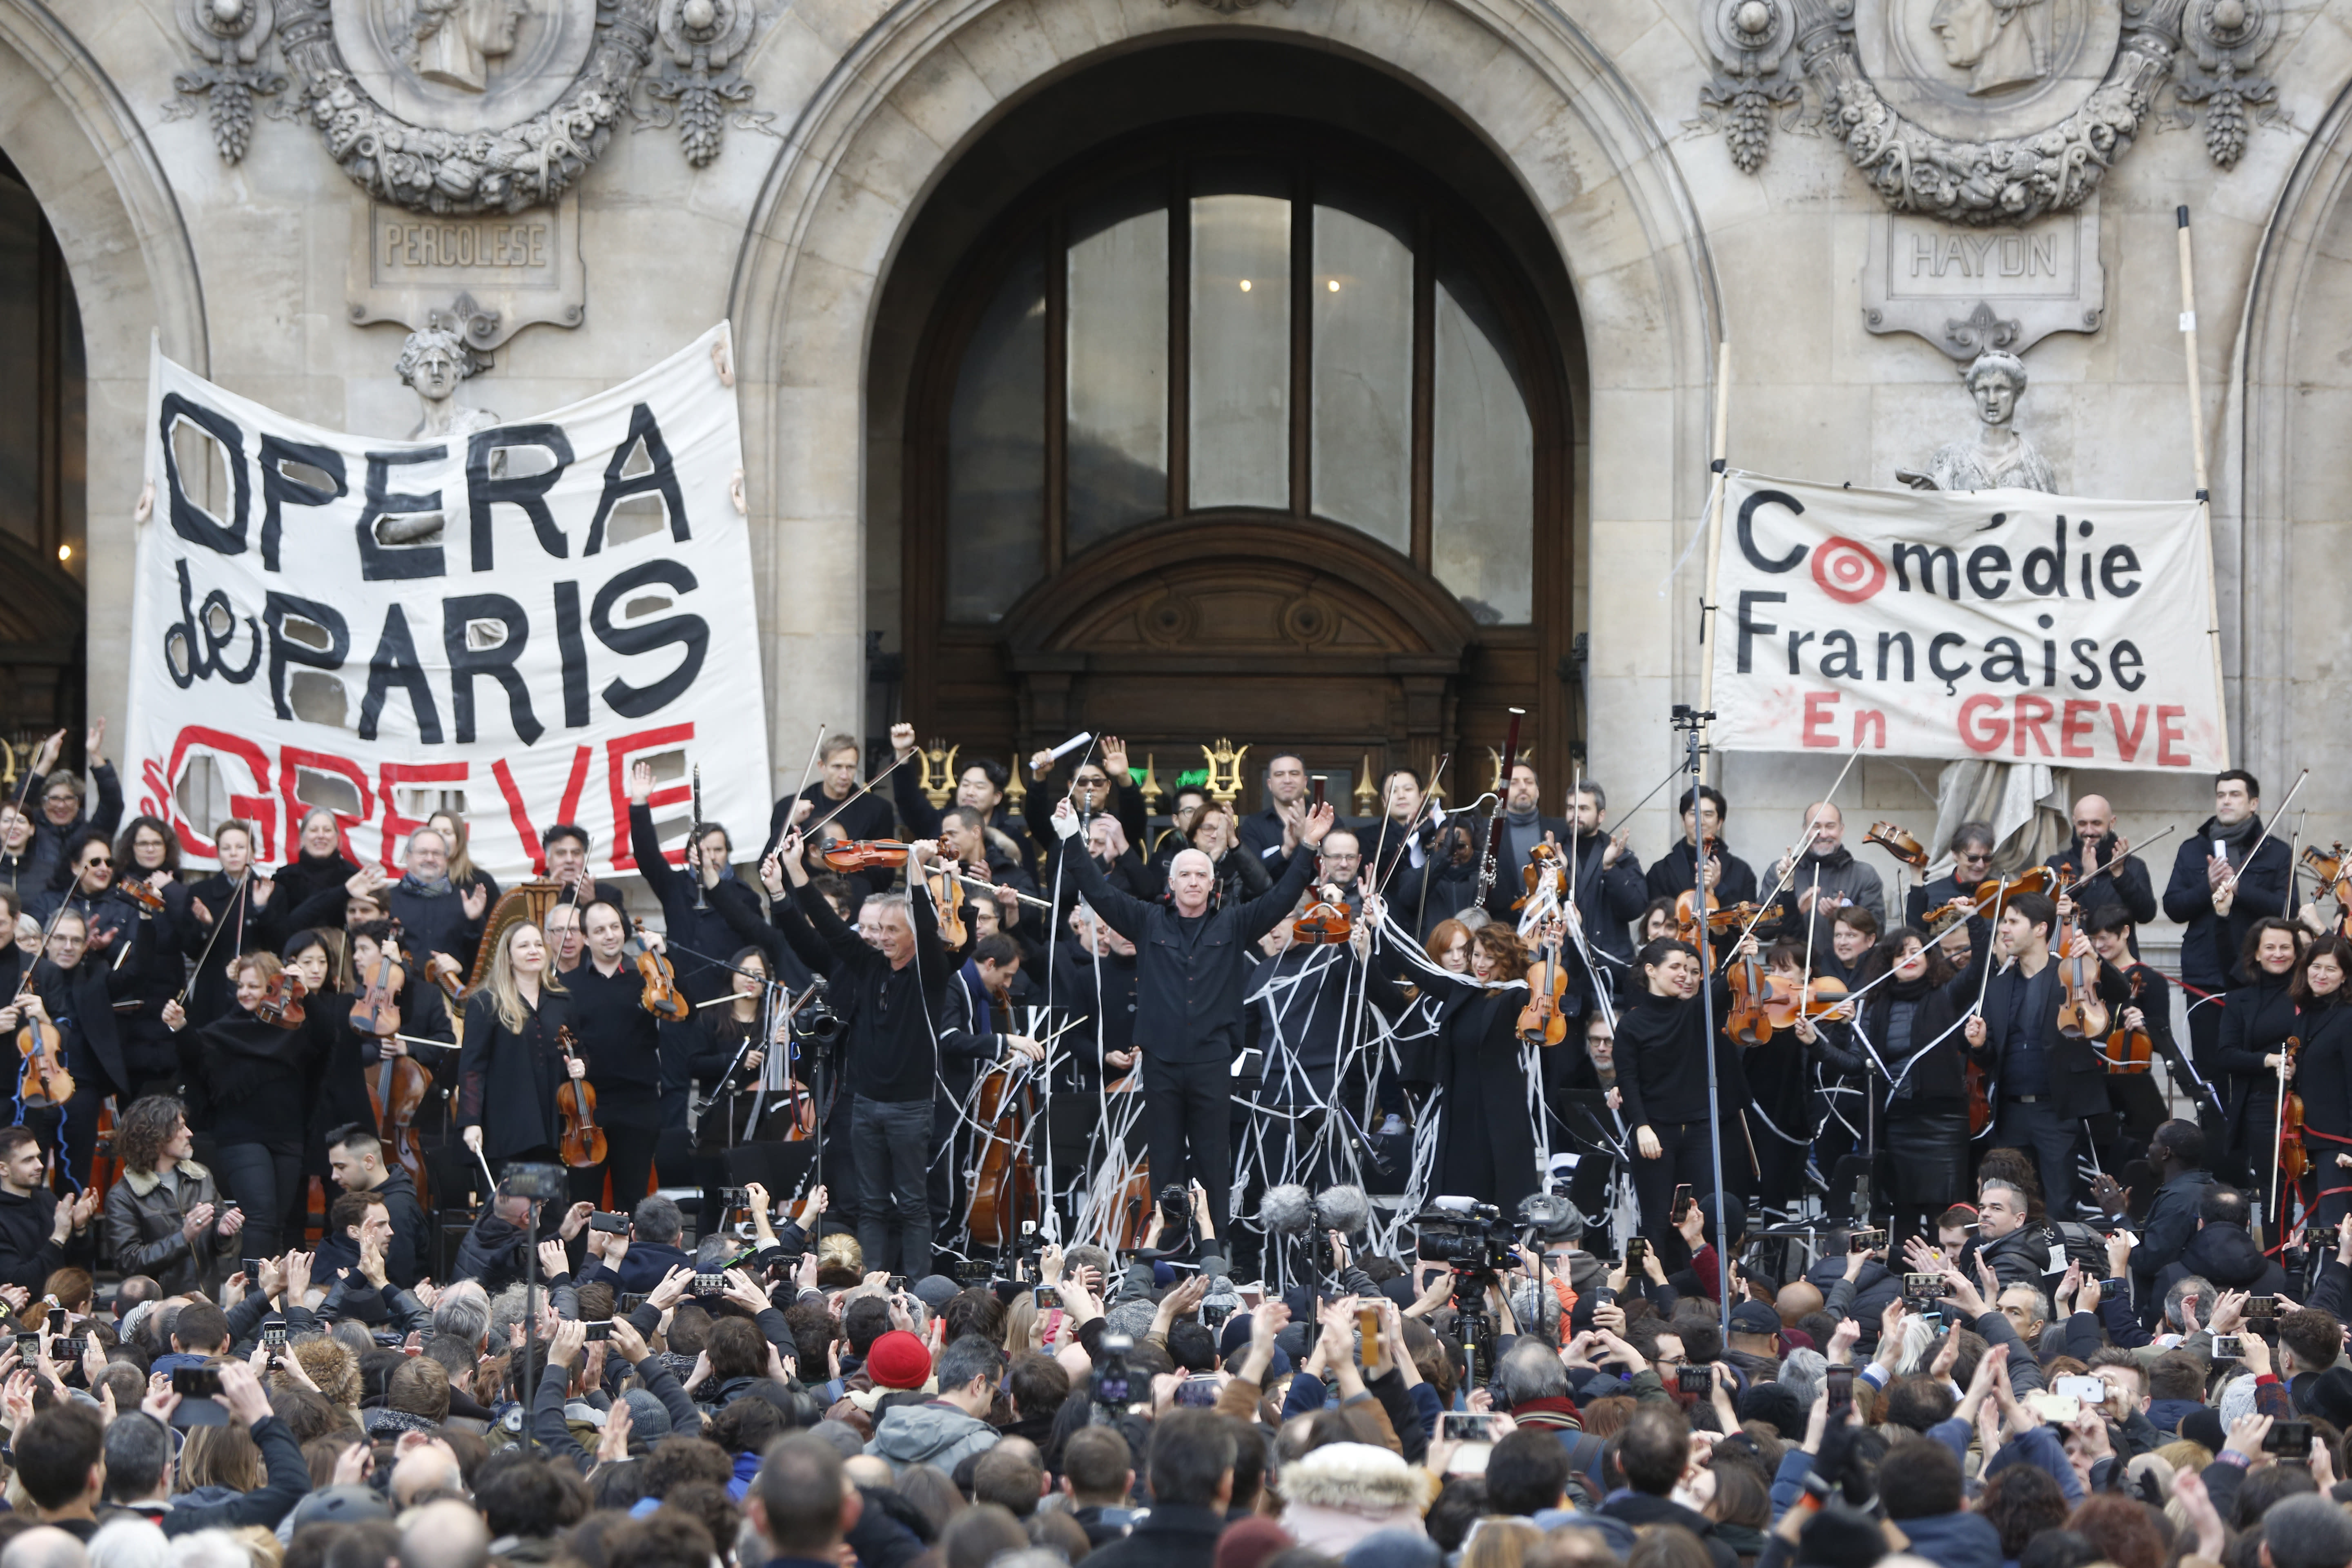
{"points": [[1241, 351], [996, 451], [1117, 338], [1363, 377], [1483, 494]]}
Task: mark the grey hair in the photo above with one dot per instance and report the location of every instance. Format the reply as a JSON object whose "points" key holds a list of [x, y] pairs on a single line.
{"points": [[2006, 1185], [1803, 1373], [463, 1310], [1535, 1305], [967, 1358], [2307, 1532], [1993, 360], [1132, 1318], [507, 1310], [1968, 833], [1530, 1372], [2040, 1299], [424, 339], [2188, 1285]]}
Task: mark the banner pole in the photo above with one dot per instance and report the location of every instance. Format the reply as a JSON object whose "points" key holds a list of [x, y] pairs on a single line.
{"points": [[1713, 523], [2197, 461]]}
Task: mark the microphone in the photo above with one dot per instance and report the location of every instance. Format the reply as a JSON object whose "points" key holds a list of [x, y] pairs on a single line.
{"points": [[1285, 1210], [1344, 1209]]}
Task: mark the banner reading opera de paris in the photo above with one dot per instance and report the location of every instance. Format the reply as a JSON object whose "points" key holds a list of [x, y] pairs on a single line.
{"points": [[585, 602], [2005, 625]]}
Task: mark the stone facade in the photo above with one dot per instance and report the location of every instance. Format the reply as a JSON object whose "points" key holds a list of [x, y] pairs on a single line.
{"points": [[765, 163]]}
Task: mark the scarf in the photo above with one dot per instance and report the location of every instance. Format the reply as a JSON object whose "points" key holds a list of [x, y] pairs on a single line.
{"points": [[436, 888], [1526, 833], [2235, 834]]}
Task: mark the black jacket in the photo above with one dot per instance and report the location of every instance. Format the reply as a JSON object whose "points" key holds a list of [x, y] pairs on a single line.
{"points": [[891, 1055], [700, 935], [405, 1255], [507, 1078], [2126, 884], [1638, 1508], [2078, 1078], [2020, 1257], [1189, 972], [27, 1256], [2210, 947], [1167, 1537], [2226, 1255], [2169, 1225], [1677, 871], [2256, 1021]]}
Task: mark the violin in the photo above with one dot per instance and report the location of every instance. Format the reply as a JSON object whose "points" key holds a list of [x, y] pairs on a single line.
{"points": [[2032, 879], [2293, 1157], [281, 1003], [1542, 1021], [1323, 924], [1687, 915], [1754, 994], [47, 1082], [2131, 1051], [443, 971], [2084, 1013], [945, 885], [377, 1010], [872, 854], [140, 893], [659, 996], [2332, 867], [1545, 863], [1897, 842], [582, 1143], [1815, 999]]}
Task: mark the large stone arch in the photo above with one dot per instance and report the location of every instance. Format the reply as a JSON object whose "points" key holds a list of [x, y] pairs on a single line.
{"points": [[925, 79], [73, 136]]}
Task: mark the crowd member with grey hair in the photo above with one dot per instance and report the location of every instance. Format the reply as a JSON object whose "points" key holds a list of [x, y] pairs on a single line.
{"points": [[948, 1427]]}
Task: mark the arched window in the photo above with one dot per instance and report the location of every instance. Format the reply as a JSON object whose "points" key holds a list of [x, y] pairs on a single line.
{"points": [[1243, 322]]}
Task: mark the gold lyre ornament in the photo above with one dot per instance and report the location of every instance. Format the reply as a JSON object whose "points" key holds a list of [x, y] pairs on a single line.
{"points": [[1014, 790], [1149, 786], [1436, 791], [1367, 795], [1523, 756], [939, 773], [1224, 771]]}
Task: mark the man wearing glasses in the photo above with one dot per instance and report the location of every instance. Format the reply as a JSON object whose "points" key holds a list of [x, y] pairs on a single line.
{"points": [[1971, 865]]}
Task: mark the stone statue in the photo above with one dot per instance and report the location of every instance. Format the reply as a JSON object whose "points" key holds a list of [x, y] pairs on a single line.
{"points": [[1992, 40], [432, 363], [1996, 457], [456, 39]]}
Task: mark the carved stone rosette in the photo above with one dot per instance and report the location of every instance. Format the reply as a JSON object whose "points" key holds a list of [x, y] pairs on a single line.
{"points": [[1750, 40], [2008, 180], [227, 36], [698, 84], [428, 170], [2221, 41]]}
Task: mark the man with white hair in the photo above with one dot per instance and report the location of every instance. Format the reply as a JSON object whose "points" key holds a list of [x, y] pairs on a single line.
{"points": [[1190, 969]]}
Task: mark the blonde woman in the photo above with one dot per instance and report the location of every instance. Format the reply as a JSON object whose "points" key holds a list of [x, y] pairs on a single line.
{"points": [[511, 1064]]}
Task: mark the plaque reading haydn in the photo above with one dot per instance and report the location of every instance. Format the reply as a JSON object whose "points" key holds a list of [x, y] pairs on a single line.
{"points": [[1970, 289]]}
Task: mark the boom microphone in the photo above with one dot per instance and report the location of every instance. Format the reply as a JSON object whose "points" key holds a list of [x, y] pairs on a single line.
{"points": [[1343, 1209], [1285, 1210]]}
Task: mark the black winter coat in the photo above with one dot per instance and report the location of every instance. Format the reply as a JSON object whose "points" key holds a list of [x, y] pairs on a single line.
{"points": [[2210, 947]]}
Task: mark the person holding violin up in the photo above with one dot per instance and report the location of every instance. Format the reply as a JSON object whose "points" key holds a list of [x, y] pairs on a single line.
{"points": [[1662, 1072], [1926, 907], [2225, 876], [890, 992], [253, 1083], [2105, 870], [511, 1062], [68, 999], [1192, 962], [980, 790], [1607, 891], [690, 899], [2045, 1083], [866, 816], [2250, 1058], [1731, 879], [621, 1043]]}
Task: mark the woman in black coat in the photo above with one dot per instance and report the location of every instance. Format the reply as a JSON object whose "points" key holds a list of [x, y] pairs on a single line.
{"points": [[510, 1064], [2256, 1020], [318, 866], [252, 1082], [1910, 1024], [2323, 1075], [229, 915], [1662, 1071]]}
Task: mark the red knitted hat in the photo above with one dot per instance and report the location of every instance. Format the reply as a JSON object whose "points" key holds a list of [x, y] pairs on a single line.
{"points": [[898, 1360]]}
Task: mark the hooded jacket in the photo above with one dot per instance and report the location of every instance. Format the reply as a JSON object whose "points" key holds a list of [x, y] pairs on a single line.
{"points": [[2227, 1256], [932, 1434]]}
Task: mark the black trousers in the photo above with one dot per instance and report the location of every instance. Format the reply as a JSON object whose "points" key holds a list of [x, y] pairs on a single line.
{"points": [[632, 1123], [1685, 1159], [1188, 1124], [2050, 1137], [264, 1182]]}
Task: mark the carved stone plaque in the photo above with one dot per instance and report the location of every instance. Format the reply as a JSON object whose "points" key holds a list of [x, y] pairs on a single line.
{"points": [[465, 65], [1970, 289], [1980, 70], [516, 269]]}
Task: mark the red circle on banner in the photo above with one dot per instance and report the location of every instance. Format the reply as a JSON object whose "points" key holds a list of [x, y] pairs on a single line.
{"points": [[1847, 572]]}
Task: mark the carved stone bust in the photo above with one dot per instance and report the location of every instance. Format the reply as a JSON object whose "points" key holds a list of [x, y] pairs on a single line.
{"points": [[1996, 457], [1992, 40], [456, 39], [433, 363]]}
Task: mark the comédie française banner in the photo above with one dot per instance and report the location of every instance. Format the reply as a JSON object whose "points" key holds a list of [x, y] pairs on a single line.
{"points": [[2004, 624], [585, 601]]}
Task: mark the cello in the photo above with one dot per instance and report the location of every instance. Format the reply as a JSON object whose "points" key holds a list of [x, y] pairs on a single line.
{"points": [[1005, 1181], [401, 1083], [582, 1141]]}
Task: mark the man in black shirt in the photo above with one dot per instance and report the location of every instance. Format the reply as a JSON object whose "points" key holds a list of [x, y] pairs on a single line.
{"points": [[1271, 834], [690, 899], [621, 1042], [2049, 1084], [1188, 1019], [1731, 879], [892, 993], [865, 816], [2105, 870], [38, 1233]]}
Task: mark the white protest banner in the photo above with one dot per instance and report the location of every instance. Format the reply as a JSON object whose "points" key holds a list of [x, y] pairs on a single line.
{"points": [[583, 603], [1999, 624]]}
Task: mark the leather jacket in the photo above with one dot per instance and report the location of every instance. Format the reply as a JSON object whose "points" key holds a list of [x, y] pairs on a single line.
{"points": [[144, 1212]]}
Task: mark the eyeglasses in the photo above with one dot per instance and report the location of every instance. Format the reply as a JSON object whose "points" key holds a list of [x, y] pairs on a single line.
{"points": [[98, 861]]}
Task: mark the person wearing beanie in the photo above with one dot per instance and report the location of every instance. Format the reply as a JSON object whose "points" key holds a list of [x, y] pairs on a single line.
{"points": [[1248, 1542], [944, 1430]]}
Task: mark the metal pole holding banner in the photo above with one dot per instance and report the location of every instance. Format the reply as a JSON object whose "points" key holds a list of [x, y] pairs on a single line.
{"points": [[2197, 454], [1712, 522], [1692, 722]]}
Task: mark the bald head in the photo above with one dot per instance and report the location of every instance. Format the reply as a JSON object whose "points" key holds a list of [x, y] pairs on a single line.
{"points": [[1796, 1301], [2093, 818], [1825, 825], [445, 1534], [425, 1467], [45, 1547]]}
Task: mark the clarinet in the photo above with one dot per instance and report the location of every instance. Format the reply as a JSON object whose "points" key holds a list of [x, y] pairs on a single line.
{"points": [[1486, 866]]}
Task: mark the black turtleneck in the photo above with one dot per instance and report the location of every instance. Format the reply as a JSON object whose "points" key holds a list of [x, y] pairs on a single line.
{"points": [[1661, 1059]]}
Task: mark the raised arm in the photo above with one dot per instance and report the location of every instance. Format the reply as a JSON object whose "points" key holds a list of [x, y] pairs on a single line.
{"points": [[1125, 913]]}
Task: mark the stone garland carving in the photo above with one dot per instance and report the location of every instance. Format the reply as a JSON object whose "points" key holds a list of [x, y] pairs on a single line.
{"points": [[2004, 181], [701, 39], [228, 36], [2222, 40], [428, 170], [1226, 8], [1750, 40]]}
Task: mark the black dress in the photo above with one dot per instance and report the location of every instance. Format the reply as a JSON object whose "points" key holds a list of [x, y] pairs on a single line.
{"points": [[507, 1078], [253, 1085], [2323, 1076], [1485, 1116], [2256, 1020]]}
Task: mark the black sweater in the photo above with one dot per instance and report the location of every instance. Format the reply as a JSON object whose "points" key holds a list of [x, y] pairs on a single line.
{"points": [[891, 1055], [620, 1041], [1662, 1062]]}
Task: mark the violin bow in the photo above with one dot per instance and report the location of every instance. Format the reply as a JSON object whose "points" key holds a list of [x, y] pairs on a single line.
{"points": [[236, 901], [1426, 811], [809, 833], [2239, 871], [1788, 856]]}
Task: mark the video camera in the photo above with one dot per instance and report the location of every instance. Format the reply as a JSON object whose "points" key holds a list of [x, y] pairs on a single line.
{"points": [[1470, 1237], [1113, 1384]]}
